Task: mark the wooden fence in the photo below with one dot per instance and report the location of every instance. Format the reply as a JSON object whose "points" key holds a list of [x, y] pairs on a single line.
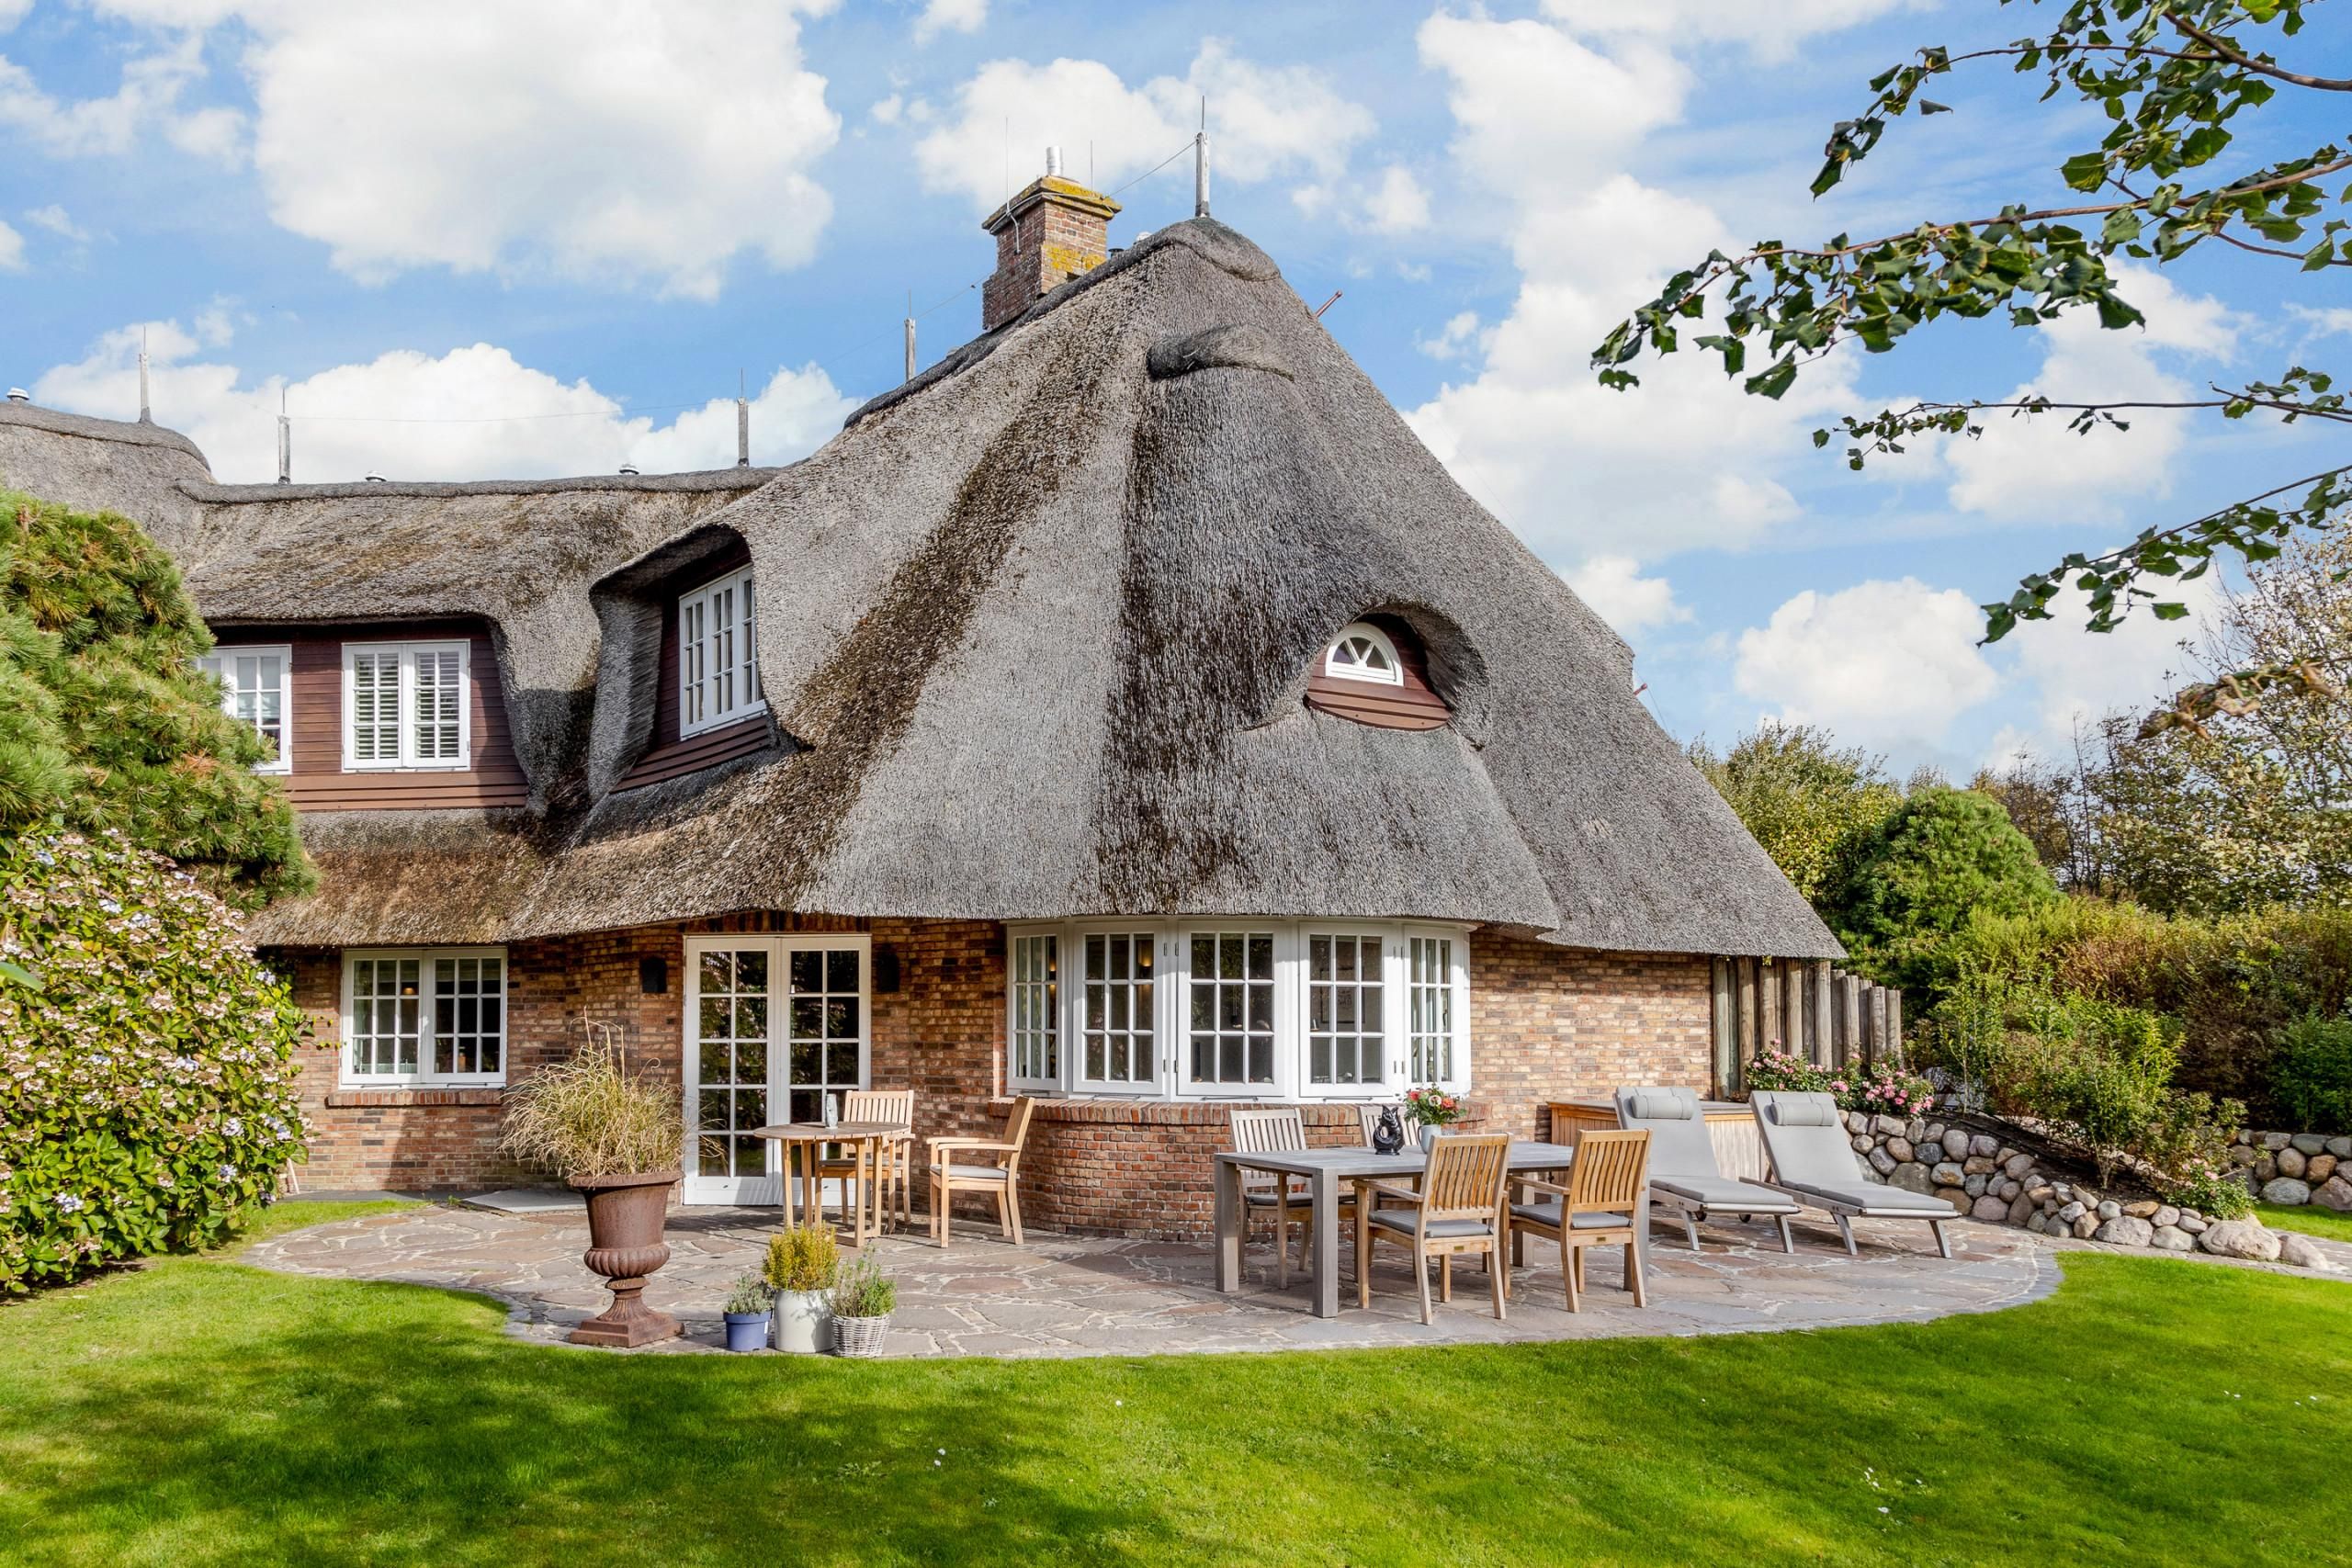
{"points": [[1807, 1006]]}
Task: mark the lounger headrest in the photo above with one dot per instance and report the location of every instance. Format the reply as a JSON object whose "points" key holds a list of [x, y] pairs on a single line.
{"points": [[1664, 1105], [1806, 1112]]}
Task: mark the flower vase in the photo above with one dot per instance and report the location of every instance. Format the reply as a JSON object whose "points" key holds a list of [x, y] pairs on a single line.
{"points": [[1430, 1131]]}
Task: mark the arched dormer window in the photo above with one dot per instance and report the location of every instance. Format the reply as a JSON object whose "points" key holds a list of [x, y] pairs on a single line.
{"points": [[1364, 653]]}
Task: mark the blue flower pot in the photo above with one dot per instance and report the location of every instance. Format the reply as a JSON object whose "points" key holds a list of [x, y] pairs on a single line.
{"points": [[747, 1330]]}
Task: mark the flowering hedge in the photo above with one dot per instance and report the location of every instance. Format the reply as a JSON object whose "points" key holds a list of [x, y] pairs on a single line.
{"points": [[147, 1070], [1880, 1087]]}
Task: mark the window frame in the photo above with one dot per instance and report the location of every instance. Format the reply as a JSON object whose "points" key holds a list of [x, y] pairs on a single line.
{"points": [[408, 653], [284, 762], [1055, 1014], [1148, 935], [1379, 639], [746, 626], [423, 1076], [1171, 1004]]}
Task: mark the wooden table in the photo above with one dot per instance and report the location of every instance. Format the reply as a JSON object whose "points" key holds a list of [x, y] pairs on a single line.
{"points": [[1325, 1170], [865, 1140]]}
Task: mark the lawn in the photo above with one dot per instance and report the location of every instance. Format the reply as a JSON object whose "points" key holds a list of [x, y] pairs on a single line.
{"points": [[2311, 1218], [199, 1411]]}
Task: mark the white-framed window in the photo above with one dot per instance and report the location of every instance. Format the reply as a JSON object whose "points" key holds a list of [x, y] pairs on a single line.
{"points": [[1035, 1026], [405, 705], [255, 687], [718, 661], [432, 1016], [1364, 653], [1238, 1009]]}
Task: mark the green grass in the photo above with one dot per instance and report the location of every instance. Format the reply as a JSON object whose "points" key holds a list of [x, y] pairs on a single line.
{"points": [[2311, 1218], [199, 1411]]}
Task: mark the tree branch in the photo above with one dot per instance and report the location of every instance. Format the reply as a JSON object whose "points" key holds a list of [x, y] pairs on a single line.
{"points": [[2260, 67]]}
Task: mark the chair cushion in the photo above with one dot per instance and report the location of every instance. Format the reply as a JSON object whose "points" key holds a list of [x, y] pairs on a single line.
{"points": [[1663, 1105], [1300, 1198], [974, 1172], [1401, 1220], [1723, 1192], [1870, 1198], [1548, 1214], [1810, 1110]]}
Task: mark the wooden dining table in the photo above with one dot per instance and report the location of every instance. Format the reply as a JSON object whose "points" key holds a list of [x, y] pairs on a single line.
{"points": [[1326, 1171], [864, 1140]]}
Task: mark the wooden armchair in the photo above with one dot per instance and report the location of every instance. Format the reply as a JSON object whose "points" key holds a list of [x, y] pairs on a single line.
{"points": [[1273, 1130], [896, 1106], [952, 1171], [1595, 1209], [1459, 1208]]}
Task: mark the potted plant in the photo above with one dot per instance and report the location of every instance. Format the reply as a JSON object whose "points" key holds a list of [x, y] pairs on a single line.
{"points": [[1433, 1109], [802, 1264], [613, 1137], [863, 1302], [747, 1313]]}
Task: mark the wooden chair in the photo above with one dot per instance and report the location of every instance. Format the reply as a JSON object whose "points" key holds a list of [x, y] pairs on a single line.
{"points": [[1458, 1209], [896, 1106], [1275, 1130], [951, 1174], [1595, 1209]]}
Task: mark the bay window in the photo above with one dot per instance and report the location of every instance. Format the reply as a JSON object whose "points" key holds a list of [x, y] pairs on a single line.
{"points": [[424, 1016], [1238, 1009]]}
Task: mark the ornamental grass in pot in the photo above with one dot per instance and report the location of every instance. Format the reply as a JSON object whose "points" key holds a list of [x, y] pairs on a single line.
{"points": [[863, 1299], [801, 1266], [614, 1136]]}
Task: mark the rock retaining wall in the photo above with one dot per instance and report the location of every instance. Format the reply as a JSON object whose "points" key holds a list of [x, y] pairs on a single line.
{"points": [[2295, 1168], [1987, 1178]]}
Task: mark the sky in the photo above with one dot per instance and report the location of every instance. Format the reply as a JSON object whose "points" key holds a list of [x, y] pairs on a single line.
{"points": [[548, 237]]}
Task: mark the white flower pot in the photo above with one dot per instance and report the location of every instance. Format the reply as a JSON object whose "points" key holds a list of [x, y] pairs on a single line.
{"points": [[1429, 1132], [804, 1320]]}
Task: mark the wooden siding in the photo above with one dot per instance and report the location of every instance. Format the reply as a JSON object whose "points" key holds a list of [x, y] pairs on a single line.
{"points": [[708, 748], [1412, 705], [317, 780]]}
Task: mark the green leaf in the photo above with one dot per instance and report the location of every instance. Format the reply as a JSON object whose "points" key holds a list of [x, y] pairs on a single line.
{"points": [[2085, 171], [2169, 612], [2319, 256], [19, 973], [1773, 382], [1929, 106]]}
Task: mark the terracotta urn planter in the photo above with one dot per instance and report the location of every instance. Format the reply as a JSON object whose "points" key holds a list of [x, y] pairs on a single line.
{"points": [[626, 1214]]}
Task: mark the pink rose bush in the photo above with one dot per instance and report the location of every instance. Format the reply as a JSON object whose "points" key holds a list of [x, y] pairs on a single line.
{"points": [[147, 1061], [1881, 1088]]}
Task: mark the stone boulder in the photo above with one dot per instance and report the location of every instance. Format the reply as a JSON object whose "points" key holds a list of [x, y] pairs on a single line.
{"points": [[2290, 1162], [1978, 1165], [2194, 1224], [2241, 1154], [1888, 1126], [1863, 1143], [1986, 1145], [1990, 1208], [2109, 1209], [1956, 1143], [2287, 1193], [1900, 1147], [2124, 1231], [2308, 1144], [1947, 1174], [1975, 1186], [2300, 1251], [1883, 1162], [2335, 1193], [1912, 1177], [2319, 1167], [2016, 1166], [2172, 1239], [2274, 1142], [2086, 1226], [2038, 1222], [2165, 1217], [2022, 1209], [2340, 1147], [2072, 1211], [2241, 1238], [2142, 1209]]}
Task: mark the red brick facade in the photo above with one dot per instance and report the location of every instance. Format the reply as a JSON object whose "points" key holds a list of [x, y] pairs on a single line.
{"points": [[1544, 1022]]}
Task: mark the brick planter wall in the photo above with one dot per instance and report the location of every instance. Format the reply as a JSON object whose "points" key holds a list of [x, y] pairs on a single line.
{"points": [[1546, 1023]]}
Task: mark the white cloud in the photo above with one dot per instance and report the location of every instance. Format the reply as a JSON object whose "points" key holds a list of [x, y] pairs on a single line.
{"points": [[2036, 465], [1266, 123], [1397, 205], [148, 95], [1770, 30], [1457, 337], [58, 221], [1882, 664], [12, 249], [1615, 588], [950, 16], [887, 111], [495, 418], [2071, 676], [2328, 321], [11, 12]]}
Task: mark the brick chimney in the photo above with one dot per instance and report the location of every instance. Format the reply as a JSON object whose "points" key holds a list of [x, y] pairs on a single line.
{"points": [[1049, 233]]}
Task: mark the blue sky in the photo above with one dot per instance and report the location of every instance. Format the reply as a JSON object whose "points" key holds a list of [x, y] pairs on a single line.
{"points": [[545, 237]]}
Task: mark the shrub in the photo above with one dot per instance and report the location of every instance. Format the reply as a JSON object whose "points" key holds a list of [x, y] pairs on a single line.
{"points": [[2312, 1075], [1785, 1071], [864, 1292], [1885, 1090], [805, 1258], [2097, 1071], [147, 1070], [2213, 1190], [587, 1117], [1944, 855], [749, 1294]]}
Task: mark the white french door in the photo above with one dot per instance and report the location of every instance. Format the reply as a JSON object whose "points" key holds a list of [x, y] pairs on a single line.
{"points": [[773, 1023]]}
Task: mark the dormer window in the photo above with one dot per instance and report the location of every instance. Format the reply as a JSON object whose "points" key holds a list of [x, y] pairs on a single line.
{"points": [[253, 689], [1363, 652], [406, 705], [719, 667]]}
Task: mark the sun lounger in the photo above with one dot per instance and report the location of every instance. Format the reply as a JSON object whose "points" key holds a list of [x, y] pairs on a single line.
{"points": [[1813, 1161], [1683, 1172]]}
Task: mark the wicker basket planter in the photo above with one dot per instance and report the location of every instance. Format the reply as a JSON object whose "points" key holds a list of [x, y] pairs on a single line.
{"points": [[860, 1335]]}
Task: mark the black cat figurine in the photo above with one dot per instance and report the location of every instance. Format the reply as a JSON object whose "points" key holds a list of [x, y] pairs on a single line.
{"points": [[1388, 1137]]}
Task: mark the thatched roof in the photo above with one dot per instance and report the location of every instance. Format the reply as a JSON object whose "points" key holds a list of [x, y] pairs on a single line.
{"points": [[1034, 631]]}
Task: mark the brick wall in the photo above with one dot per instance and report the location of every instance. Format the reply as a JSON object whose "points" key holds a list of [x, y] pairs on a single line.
{"points": [[1546, 1023]]}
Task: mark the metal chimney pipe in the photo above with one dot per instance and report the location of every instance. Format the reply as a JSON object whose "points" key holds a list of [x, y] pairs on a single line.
{"points": [[144, 417], [285, 450], [1053, 163], [1201, 173], [742, 433], [911, 348]]}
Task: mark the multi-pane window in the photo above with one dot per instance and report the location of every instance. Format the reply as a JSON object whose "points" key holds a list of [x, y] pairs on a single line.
{"points": [[405, 705], [1346, 1037], [1232, 1011], [719, 665], [825, 1051], [1117, 1022], [732, 1086], [1364, 653], [1037, 1008], [425, 1017], [1429, 983], [253, 688]]}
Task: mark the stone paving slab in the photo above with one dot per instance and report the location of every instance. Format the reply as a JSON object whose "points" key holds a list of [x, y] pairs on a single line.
{"points": [[1063, 1295]]}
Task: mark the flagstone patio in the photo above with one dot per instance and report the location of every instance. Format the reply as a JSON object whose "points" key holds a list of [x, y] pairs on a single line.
{"points": [[1062, 1295]]}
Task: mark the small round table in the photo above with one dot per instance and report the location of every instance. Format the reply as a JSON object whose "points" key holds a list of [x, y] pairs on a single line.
{"points": [[865, 1140]]}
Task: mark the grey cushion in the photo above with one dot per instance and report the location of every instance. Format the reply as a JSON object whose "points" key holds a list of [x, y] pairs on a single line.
{"points": [[1402, 1219], [1808, 1111], [1300, 1198], [1871, 1199], [1722, 1192], [1549, 1214], [975, 1172], [1664, 1105]]}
